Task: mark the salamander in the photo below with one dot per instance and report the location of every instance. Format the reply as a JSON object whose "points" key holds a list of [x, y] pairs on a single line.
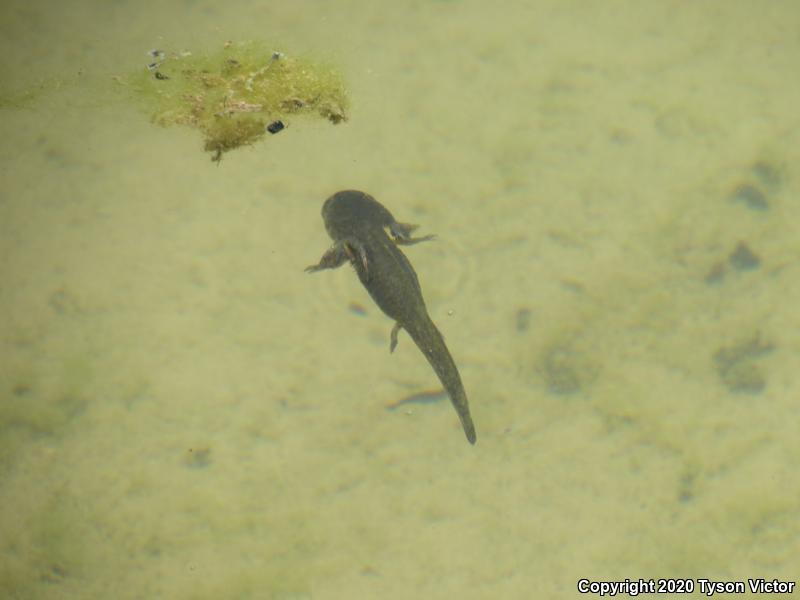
{"points": [[357, 224]]}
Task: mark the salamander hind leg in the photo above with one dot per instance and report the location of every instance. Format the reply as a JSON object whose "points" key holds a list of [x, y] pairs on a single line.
{"points": [[393, 336]]}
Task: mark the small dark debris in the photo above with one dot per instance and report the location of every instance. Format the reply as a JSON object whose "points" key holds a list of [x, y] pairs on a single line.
{"points": [[744, 378], [686, 487], [561, 372], [522, 320], [153, 65], [716, 274], [576, 287], [55, 575], [160, 75], [751, 349], [737, 367], [744, 259], [198, 458], [275, 127], [751, 196], [767, 174], [21, 389], [62, 302]]}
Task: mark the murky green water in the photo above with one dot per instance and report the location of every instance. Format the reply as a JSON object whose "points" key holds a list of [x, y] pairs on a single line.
{"points": [[185, 414]]}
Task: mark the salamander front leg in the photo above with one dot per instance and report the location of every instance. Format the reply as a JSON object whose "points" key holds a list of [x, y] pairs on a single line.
{"points": [[341, 252], [401, 232], [335, 257]]}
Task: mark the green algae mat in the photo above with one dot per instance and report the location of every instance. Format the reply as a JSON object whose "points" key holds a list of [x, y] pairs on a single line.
{"points": [[238, 95]]}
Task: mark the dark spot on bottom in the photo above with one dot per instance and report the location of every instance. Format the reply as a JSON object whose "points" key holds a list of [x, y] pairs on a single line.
{"points": [[744, 259], [751, 196], [198, 458], [523, 320], [768, 174], [716, 274], [737, 366], [561, 371]]}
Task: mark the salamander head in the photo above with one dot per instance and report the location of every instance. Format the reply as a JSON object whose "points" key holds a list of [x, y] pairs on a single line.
{"points": [[355, 206]]}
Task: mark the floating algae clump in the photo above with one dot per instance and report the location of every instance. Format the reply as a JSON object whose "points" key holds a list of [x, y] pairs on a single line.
{"points": [[239, 94]]}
